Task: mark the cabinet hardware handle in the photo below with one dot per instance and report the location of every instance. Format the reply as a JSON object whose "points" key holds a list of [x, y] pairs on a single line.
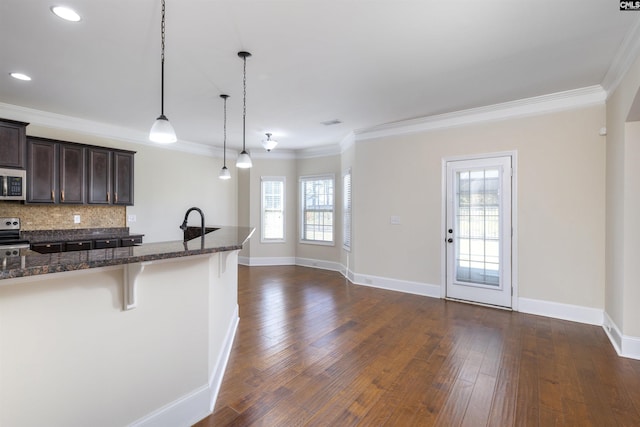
{"points": [[115, 199], [53, 195], [107, 196], [62, 195]]}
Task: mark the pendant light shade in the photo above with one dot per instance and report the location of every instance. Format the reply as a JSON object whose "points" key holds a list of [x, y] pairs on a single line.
{"points": [[269, 144], [244, 160], [224, 172], [162, 132]]}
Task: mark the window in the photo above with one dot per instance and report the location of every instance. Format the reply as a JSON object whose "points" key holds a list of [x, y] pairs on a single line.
{"points": [[272, 208], [316, 193], [346, 209]]}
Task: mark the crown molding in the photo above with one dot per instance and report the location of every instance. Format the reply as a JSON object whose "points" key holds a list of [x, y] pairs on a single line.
{"points": [[273, 154], [320, 151], [592, 95], [625, 56], [88, 127]]}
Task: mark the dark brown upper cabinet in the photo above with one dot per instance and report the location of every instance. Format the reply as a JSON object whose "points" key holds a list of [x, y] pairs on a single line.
{"points": [[42, 171], [72, 173], [55, 172], [99, 176], [13, 144], [122, 178], [69, 173]]}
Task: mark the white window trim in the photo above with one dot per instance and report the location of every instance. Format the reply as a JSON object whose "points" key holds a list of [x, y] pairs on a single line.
{"points": [[301, 209], [347, 210], [284, 209]]}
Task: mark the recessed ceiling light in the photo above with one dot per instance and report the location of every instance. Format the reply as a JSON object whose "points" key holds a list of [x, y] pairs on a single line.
{"points": [[20, 76], [65, 13]]}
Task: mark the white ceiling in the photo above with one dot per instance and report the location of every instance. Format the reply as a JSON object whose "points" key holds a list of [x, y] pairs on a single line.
{"points": [[363, 62]]}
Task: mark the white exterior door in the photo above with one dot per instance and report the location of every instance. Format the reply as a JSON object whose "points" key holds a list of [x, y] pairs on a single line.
{"points": [[478, 234]]}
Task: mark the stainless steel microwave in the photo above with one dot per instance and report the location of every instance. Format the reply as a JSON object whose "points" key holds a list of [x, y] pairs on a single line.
{"points": [[13, 184]]}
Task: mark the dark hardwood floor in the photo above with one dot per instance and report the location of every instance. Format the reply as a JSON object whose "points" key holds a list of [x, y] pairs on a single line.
{"points": [[314, 350]]}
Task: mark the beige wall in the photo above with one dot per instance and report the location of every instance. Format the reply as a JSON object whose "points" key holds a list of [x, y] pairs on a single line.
{"points": [[623, 202], [631, 296], [560, 187], [274, 167], [167, 183], [321, 166]]}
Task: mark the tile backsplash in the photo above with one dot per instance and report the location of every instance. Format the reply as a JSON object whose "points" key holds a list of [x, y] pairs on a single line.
{"points": [[60, 217]]}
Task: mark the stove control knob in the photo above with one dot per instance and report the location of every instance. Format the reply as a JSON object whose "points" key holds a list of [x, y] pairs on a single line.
{"points": [[15, 222], [7, 223]]}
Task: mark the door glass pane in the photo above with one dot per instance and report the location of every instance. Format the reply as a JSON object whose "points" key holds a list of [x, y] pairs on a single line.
{"points": [[478, 226]]}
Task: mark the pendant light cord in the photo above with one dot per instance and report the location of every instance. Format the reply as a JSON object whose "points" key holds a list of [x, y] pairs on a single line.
{"points": [[162, 31], [244, 97], [224, 143]]}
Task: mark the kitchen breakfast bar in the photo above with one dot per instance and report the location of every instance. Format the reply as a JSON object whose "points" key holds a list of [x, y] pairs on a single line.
{"points": [[120, 336]]}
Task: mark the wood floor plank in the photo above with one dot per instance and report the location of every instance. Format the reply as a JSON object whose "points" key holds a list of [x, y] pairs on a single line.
{"points": [[315, 350]]}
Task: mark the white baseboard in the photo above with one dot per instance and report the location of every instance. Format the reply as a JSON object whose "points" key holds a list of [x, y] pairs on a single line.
{"points": [[217, 374], [266, 261], [417, 288], [198, 404], [316, 263], [184, 411], [556, 310], [626, 346]]}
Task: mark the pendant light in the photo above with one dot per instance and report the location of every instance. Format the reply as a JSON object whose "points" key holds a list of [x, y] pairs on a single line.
{"points": [[224, 172], [162, 132], [244, 160], [269, 144]]}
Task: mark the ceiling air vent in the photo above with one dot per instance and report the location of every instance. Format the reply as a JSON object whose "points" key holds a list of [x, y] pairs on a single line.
{"points": [[331, 122]]}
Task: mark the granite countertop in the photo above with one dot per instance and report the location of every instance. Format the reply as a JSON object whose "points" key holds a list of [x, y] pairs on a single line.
{"points": [[31, 263], [50, 236]]}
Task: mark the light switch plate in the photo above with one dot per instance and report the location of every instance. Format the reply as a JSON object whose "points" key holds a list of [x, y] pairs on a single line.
{"points": [[395, 219], [131, 218]]}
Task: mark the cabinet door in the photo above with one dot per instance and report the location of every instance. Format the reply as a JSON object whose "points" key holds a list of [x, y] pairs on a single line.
{"points": [[72, 174], [122, 178], [13, 144], [99, 176], [42, 171]]}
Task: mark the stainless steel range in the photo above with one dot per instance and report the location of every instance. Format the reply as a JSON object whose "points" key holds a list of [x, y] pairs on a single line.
{"points": [[10, 241], [11, 245]]}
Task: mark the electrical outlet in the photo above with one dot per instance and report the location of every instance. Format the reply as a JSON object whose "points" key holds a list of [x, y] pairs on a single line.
{"points": [[131, 218], [76, 219]]}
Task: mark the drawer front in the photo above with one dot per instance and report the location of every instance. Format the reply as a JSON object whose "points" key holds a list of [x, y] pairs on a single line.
{"points": [[84, 245], [47, 248], [130, 241], [105, 243]]}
